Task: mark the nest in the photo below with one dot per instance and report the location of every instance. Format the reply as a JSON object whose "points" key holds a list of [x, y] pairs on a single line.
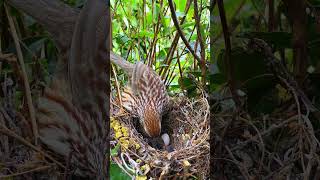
{"points": [[187, 123]]}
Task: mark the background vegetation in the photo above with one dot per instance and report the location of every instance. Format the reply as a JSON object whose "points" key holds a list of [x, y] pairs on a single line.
{"points": [[255, 89], [235, 76], [144, 31]]}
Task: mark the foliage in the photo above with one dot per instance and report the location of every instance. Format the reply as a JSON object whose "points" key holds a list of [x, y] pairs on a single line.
{"points": [[144, 31], [117, 173]]}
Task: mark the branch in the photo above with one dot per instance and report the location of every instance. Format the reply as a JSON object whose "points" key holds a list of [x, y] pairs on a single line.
{"points": [[174, 44], [281, 72], [298, 18], [228, 64], [152, 52], [232, 26], [197, 20], [24, 77], [4, 130], [212, 5], [271, 19], [184, 39], [202, 47], [10, 176]]}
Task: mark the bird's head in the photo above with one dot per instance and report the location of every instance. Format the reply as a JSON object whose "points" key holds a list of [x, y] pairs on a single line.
{"points": [[151, 121]]}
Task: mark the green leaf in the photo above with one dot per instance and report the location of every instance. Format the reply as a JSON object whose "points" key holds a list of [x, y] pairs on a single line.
{"points": [[259, 5], [156, 8], [174, 87], [145, 33], [149, 17], [196, 73], [189, 85], [217, 79], [37, 44], [180, 4], [115, 150], [80, 3], [249, 69], [188, 24], [122, 39], [243, 62], [29, 20], [116, 173], [250, 73]]}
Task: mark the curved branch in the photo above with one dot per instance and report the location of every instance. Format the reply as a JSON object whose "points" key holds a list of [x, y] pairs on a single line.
{"points": [[228, 64], [184, 39], [24, 76], [168, 60]]}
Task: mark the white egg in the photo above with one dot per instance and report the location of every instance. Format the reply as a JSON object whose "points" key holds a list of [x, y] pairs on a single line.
{"points": [[166, 139]]}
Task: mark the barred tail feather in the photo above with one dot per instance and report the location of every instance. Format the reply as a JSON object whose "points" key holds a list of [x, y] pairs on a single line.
{"points": [[122, 63], [128, 100]]}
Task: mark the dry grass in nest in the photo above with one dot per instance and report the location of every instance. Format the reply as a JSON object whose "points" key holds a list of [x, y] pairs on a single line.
{"points": [[187, 124]]}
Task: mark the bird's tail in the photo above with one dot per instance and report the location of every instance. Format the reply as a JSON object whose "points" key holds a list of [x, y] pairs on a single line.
{"points": [[122, 63]]}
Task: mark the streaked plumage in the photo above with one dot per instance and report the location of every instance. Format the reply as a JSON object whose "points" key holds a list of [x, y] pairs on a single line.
{"points": [[72, 133], [146, 95], [73, 112]]}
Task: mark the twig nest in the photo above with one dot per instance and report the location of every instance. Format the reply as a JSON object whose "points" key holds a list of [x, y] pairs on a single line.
{"points": [[184, 143]]}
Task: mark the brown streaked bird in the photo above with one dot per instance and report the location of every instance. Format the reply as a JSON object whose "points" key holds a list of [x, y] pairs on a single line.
{"points": [[146, 95], [73, 111]]}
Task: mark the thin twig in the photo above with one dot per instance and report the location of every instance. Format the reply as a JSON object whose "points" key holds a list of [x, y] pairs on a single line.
{"points": [[271, 15], [150, 56], [176, 24], [211, 30], [10, 133], [201, 42], [174, 44], [232, 26], [172, 76], [24, 75], [263, 149], [117, 84], [228, 64], [267, 131], [243, 170], [25, 172], [179, 64]]}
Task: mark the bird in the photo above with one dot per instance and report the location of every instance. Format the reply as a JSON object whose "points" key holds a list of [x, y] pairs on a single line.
{"points": [[72, 113], [145, 96], [72, 133]]}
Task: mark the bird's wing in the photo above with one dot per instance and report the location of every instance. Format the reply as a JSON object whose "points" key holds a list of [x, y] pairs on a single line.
{"points": [[138, 79], [148, 85], [129, 101]]}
